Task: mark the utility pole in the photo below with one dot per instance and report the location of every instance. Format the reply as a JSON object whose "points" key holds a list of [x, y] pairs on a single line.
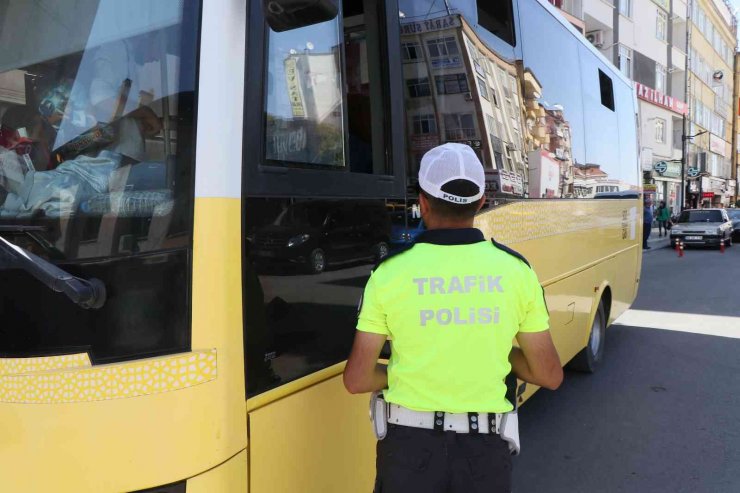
{"points": [[687, 87]]}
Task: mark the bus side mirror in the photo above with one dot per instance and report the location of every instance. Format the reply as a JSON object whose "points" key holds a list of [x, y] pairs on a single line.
{"points": [[284, 15]]}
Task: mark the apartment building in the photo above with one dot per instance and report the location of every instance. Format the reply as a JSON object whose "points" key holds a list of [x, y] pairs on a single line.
{"points": [[713, 31], [680, 56]]}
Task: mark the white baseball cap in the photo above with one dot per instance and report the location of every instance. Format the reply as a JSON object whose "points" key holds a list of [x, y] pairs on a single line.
{"points": [[452, 172]]}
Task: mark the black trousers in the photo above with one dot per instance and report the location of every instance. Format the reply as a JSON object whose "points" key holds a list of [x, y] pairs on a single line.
{"points": [[412, 460]]}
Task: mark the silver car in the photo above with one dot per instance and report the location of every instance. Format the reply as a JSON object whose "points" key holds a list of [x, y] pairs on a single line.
{"points": [[702, 227]]}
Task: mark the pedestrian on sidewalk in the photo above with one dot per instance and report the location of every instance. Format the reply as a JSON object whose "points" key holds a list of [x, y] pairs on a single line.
{"points": [[664, 215], [442, 425], [647, 221]]}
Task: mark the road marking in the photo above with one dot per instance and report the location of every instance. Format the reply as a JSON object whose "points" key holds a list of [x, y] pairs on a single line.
{"points": [[713, 325]]}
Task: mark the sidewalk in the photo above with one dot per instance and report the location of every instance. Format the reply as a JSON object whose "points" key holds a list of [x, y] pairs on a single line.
{"points": [[655, 242]]}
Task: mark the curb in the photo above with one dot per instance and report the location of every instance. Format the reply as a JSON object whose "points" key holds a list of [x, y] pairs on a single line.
{"points": [[657, 244]]}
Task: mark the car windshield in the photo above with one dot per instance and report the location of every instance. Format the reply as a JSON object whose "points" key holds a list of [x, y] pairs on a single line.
{"points": [[301, 215], [701, 217], [734, 214]]}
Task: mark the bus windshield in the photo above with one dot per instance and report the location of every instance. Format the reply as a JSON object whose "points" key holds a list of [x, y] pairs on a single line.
{"points": [[91, 110], [97, 127]]}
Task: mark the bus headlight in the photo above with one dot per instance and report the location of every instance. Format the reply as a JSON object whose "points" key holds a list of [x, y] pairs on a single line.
{"points": [[298, 240]]}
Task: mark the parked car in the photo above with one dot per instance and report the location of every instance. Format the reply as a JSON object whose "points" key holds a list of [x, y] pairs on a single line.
{"points": [[702, 227], [315, 234], [734, 215]]}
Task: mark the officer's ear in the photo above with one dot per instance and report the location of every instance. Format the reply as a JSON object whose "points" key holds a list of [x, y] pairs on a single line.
{"points": [[481, 203], [423, 205]]}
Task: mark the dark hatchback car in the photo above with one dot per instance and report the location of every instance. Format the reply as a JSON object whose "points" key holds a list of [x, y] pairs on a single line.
{"points": [[317, 234]]}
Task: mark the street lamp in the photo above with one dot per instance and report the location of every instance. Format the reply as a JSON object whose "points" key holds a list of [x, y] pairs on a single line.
{"points": [[684, 144]]}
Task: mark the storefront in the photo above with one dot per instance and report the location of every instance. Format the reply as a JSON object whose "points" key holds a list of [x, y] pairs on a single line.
{"points": [[666, 176]]}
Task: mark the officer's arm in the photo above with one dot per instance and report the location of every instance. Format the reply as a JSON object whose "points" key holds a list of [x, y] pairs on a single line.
{"points": [[536, 360], [363, 373]]}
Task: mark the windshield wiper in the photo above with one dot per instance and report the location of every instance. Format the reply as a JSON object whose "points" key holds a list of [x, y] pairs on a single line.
{"points": [[87, 293]]}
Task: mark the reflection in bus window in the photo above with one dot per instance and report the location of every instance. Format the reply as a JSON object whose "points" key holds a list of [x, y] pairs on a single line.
{"points": [[92, 132], [304, 121], [308, 262], [319, 84], [97, 128]]}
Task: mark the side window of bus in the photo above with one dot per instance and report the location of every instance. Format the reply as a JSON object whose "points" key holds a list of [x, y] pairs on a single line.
{"points": [[587, 112], [324, 170]]}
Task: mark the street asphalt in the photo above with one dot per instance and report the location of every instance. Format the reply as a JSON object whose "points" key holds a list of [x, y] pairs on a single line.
{"points": [[662, 413]]}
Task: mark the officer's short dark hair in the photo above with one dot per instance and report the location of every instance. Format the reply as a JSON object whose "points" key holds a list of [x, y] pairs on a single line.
{"points": [[449, 210]]}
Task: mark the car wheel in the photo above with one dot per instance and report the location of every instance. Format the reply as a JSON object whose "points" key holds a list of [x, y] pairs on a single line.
{"points": [[317, 261], [590, 357], [381, 251]]}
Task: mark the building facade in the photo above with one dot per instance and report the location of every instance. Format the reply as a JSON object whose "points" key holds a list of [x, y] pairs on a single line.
{"points": [[680, 56]]}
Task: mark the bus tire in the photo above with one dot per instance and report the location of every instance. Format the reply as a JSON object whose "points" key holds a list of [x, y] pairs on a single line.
{"points": [[590, 357]]}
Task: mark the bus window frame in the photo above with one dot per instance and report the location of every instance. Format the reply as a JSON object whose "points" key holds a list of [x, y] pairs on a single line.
{"points": [[261, 179]]}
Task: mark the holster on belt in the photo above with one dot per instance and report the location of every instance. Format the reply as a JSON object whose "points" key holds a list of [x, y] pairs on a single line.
{"points": [[379, 415]]}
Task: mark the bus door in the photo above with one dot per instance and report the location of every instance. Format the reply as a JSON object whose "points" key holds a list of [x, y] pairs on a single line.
{"points": [[323, 157]]}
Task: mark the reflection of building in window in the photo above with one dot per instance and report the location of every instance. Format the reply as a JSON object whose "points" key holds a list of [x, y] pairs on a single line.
{"points": [[424, 124], [459, 126], [489, 119], [483, 89], [590, 179], [411, 51], [443, 47], [419, 87], [451, 83]]}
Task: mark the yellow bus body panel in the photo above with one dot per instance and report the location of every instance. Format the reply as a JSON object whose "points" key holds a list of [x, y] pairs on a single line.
{"points": [[113, 443], [311, 436]]}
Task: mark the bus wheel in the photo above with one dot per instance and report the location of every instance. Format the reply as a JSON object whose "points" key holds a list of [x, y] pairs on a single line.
{"points": [[317, 261], [591, 356]]}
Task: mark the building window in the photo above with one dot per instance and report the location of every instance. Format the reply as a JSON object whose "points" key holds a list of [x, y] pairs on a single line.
{"points": [[493, 96], [451, 83], [659, 130], [411, 52], [424, 124], [625, 8], [419, 87], [459, 126], [625, 61], [491, 123], [483, 88], [661, 24], [660, 78], [442, 47]]}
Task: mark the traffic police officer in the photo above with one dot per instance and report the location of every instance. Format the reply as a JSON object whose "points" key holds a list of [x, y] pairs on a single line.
{"points": [[451, 306]]}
